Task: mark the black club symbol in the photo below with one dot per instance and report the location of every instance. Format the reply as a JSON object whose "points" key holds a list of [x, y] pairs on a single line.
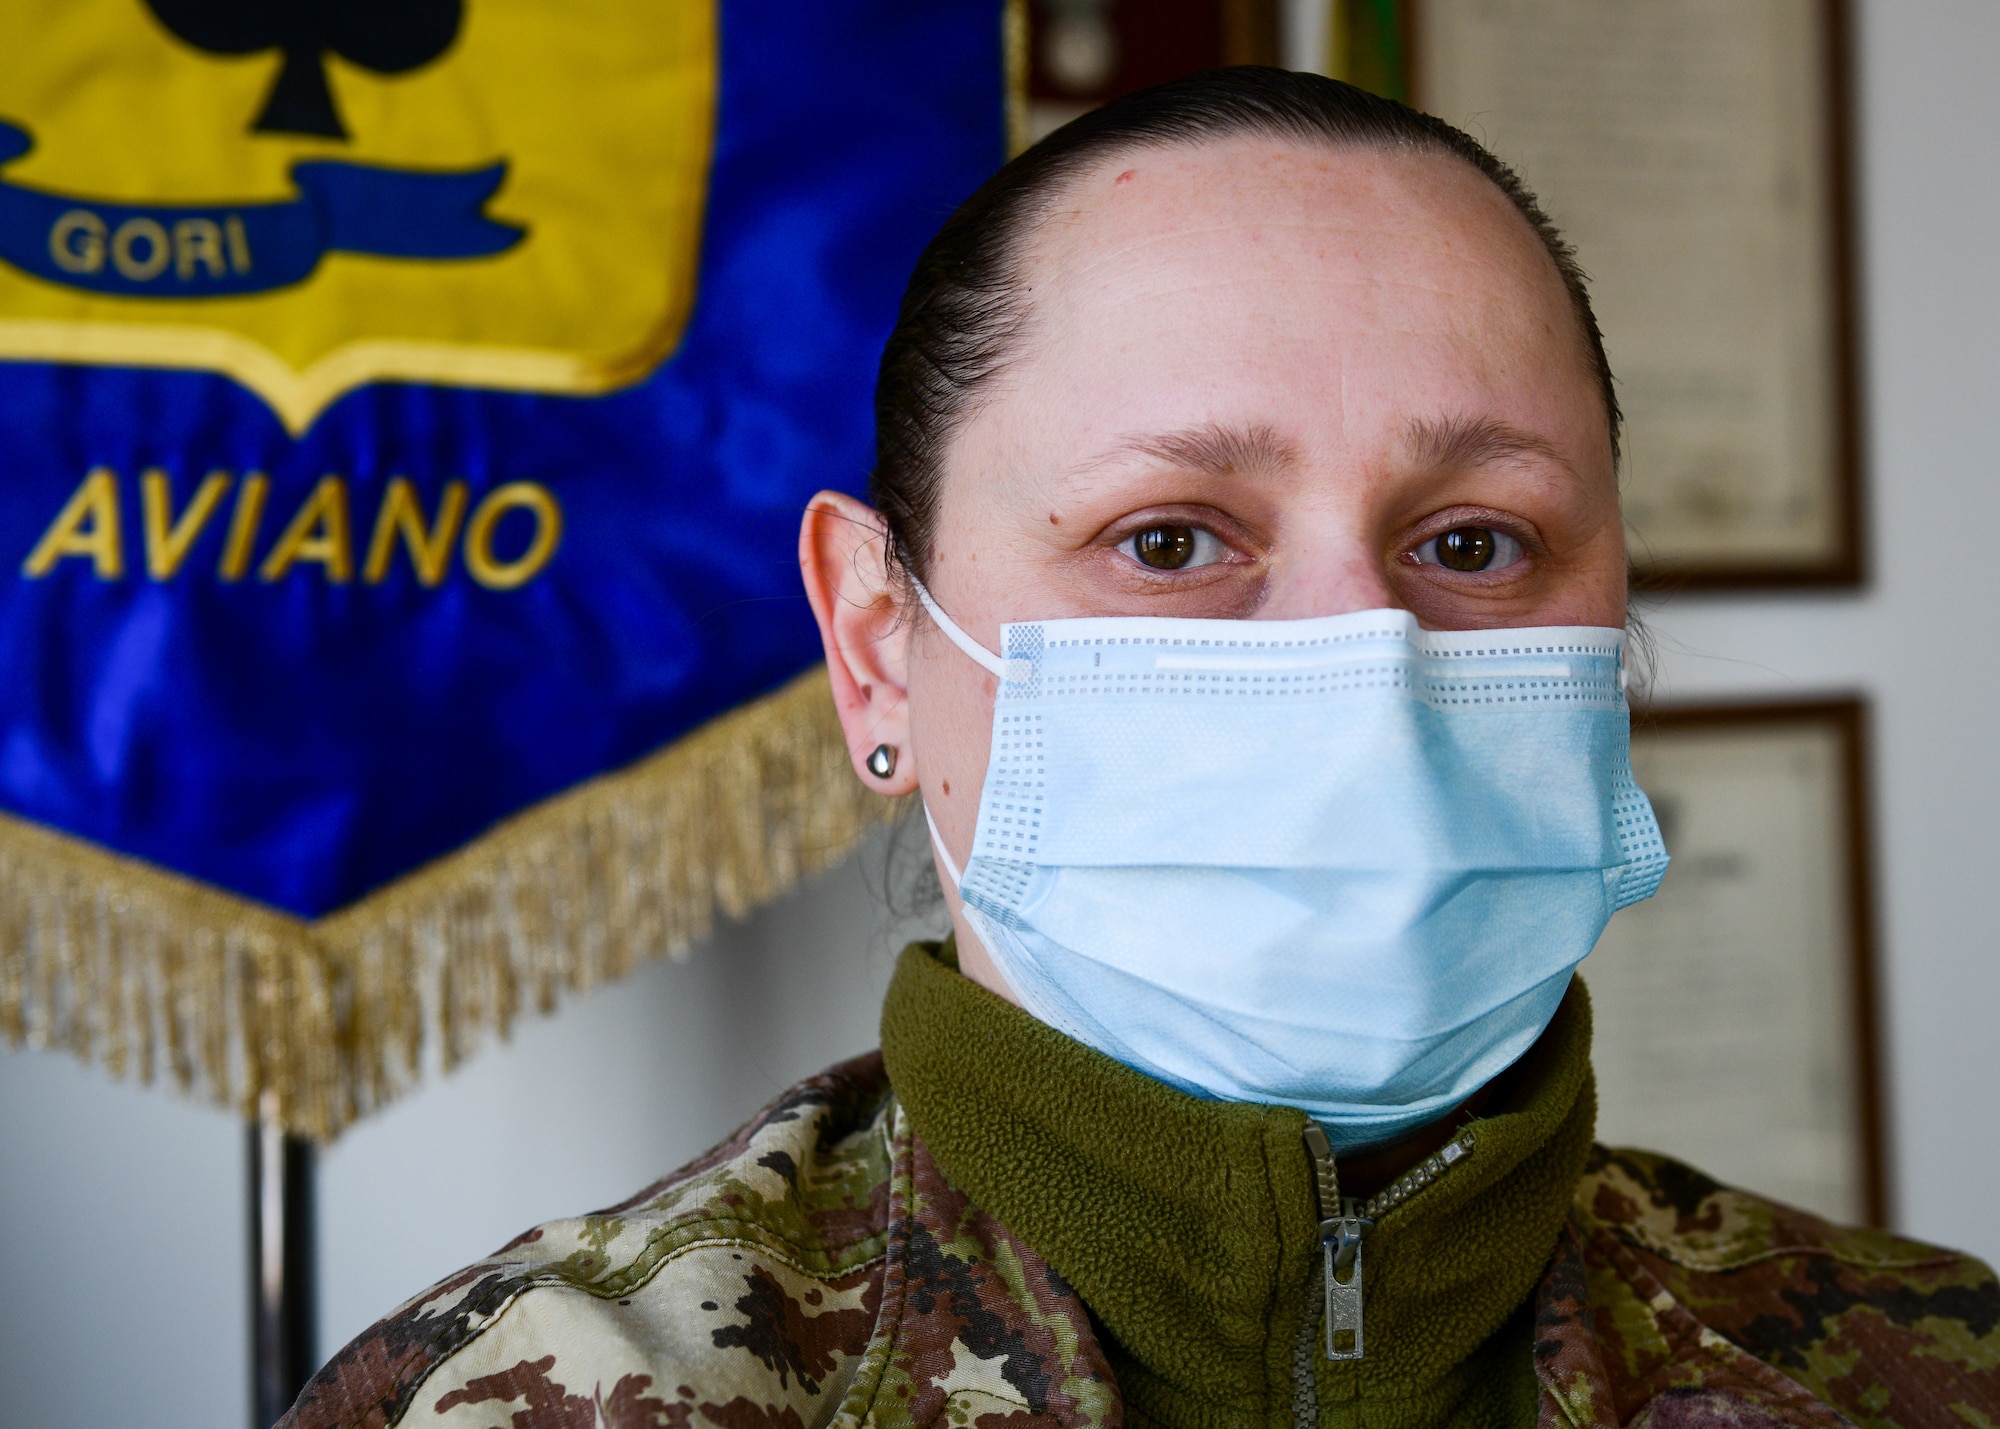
{"points": [[387, 36]]}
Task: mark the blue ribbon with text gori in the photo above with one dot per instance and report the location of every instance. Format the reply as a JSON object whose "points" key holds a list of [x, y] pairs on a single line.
{"points": [[218, 250]]}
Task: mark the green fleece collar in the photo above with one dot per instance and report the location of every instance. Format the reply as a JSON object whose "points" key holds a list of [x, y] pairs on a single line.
{"points": [[1190, 1227]]}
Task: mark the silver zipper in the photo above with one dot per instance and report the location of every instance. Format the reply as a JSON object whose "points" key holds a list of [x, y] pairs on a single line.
{"points": [[1342, 1228], [1345, 1223]]}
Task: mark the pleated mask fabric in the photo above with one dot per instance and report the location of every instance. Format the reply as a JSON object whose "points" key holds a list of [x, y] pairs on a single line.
{"points": [[1343, 864]]}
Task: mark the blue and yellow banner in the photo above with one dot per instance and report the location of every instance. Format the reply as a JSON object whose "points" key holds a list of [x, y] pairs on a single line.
{"points": [[406, 408]]}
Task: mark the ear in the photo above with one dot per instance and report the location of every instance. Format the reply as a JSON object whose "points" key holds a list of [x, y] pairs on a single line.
{"points": [[843, 548]]}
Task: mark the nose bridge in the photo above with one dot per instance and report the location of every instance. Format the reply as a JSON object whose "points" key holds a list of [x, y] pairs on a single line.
{"points": [[1328, 563]]}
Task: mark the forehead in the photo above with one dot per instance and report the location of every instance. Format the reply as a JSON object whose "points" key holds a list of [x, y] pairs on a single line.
{"points": [[1403, 277]]}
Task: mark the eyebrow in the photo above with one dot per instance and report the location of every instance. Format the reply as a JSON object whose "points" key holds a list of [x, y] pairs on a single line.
{"points": [[1476, 441], [1212, 449]]}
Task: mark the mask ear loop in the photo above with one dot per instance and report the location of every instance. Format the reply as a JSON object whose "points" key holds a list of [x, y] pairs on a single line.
{"points": [[976, 920], [1018, 670], [986, 660], [943, 853]]}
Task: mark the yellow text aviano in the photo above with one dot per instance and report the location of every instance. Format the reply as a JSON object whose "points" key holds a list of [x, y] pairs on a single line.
{"points": [[320, 537]]}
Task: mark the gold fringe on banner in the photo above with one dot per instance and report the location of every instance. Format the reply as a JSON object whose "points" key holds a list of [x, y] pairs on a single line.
{"points": [[147, 972]]}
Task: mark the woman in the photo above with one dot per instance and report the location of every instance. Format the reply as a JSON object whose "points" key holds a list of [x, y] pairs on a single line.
{"points": [[1243, 595]]}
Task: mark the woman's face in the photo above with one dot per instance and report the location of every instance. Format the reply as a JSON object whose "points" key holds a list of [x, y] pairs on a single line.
{"points": [[1259, 381]]}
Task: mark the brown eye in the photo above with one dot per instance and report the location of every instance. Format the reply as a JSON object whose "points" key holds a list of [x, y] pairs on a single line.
{"points": [[1165, 548], [1470, 548]]}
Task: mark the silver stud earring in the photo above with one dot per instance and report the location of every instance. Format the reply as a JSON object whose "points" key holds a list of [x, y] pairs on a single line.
{"points": [[882, 762]]}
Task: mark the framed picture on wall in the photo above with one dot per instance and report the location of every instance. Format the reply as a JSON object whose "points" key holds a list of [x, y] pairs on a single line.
{"points": [[1697, 153], [1735, 1010]]}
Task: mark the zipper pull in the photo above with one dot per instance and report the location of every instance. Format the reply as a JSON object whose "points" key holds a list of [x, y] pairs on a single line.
{"points": [[1340, 1239], [1342, 1228]]}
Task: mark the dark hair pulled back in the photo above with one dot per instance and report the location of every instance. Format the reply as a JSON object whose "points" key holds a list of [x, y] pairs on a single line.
{"points": [[966, 307]]}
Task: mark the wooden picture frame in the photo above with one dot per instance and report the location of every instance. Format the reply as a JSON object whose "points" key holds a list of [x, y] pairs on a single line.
{"points": [[1077, 54], [1736, 1011], [1743, 465]]}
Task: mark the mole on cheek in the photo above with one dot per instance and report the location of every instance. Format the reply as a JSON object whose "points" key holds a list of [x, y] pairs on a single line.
{"points": [[1054, 520], [947, 787]]}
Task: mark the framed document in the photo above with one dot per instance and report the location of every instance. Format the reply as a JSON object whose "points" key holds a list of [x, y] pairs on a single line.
{"points": [[1735, 1010], [1696, 152]]}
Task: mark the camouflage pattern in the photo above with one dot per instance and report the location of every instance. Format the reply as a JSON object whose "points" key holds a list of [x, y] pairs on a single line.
{"points": [[817, 1269], [814, 1269], [1674, 1301]]}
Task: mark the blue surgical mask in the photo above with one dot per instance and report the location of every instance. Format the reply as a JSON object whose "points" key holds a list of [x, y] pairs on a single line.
{"points": [[1341, 864]]}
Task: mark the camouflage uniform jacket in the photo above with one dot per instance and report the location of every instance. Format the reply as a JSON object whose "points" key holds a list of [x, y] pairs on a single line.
{"points": [[818, 1269]]}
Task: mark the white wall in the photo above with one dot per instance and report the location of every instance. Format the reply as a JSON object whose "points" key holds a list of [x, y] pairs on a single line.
{"points": [[124, 1275], [121, 1255]]}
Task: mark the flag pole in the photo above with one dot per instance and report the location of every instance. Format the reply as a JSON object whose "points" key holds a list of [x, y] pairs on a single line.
{"points": [[282, 1255]]}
